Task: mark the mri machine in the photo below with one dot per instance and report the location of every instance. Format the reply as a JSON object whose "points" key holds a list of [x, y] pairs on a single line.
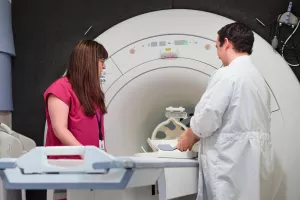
{"points": [[156, 60]]}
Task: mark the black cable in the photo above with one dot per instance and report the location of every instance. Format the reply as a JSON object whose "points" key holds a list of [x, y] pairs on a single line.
{"points": [[288, 46], [298, 59], [291, 55]]}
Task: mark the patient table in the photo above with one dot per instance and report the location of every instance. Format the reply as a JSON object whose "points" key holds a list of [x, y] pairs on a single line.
{"points": [[99, 172]]}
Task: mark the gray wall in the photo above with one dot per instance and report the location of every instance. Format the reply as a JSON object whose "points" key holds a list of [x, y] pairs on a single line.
{"points": [[46, 31]]}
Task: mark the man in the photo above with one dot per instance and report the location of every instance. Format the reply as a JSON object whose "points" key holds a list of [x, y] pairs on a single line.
{"points": [[232, 122]]}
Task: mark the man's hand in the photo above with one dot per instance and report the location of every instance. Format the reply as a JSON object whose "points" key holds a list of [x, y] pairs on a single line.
{"points": [[187, 140]]}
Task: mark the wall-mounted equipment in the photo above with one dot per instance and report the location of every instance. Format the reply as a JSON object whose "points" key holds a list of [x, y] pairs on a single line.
{"points": [[283, 36]]}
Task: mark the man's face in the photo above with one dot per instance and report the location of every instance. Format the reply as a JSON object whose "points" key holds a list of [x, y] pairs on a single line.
{"points": [[220, 50]]}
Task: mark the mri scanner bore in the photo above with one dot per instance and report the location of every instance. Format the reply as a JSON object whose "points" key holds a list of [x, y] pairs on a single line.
{"points": [[134, 60]]}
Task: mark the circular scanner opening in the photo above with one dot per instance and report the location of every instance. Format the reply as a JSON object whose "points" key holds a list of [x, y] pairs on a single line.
{"points": [[140, 105]]}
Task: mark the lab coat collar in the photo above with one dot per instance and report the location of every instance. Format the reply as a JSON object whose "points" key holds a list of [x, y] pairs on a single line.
{"points": [[240, 59]]}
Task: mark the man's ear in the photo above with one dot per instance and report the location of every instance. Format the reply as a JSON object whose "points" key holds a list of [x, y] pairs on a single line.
{"points": [[226, 43]]}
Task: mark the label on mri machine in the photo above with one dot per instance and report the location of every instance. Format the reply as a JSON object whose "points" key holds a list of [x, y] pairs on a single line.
{"points": [[169, 53]]}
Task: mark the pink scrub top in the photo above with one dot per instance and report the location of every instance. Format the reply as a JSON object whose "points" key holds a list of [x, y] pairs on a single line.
{"points": [[84, 128]]}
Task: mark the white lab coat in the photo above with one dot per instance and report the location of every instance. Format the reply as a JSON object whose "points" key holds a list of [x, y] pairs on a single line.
{"points": [[233, 121]]}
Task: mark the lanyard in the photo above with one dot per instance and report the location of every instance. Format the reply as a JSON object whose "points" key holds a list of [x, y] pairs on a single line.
{"points": [[99, 126]]}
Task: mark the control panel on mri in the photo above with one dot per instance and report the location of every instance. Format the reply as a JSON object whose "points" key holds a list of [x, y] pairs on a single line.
{"points": [[154, 77]]}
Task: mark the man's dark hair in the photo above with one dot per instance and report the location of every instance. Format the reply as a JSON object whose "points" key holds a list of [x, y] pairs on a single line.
{"points": [[239, 35]]}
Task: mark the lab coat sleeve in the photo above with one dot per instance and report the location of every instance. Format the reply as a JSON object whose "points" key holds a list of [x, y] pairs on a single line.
{"points": [[209, 111]]}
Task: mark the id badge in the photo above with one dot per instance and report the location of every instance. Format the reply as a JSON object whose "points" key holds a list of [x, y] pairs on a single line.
{"points": [[101, 144]]}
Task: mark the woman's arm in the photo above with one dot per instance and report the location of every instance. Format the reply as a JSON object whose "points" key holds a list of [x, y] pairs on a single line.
{"points": [[59, 112]]}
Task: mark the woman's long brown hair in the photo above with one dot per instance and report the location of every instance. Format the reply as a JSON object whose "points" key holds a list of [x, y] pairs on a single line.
{"points": [[83, 74]]}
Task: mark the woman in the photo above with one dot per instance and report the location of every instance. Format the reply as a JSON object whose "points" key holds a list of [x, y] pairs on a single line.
{"points": [[75, 103]]}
